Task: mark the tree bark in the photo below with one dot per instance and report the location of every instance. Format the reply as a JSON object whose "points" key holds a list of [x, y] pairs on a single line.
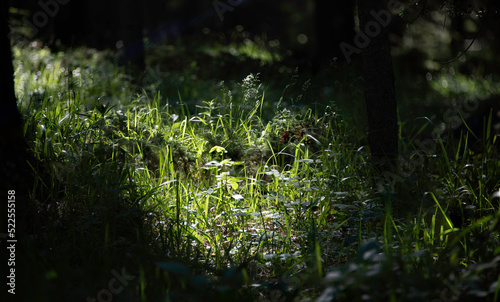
{"points": [[15, 174], [380, 93]]}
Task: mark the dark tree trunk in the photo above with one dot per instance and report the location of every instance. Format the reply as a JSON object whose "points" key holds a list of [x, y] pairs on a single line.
{"points": [[14, 170], [379, 82]]}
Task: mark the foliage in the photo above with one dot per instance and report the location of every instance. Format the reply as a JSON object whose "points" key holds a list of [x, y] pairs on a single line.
{"points": [[230, 195], [377, 276]]}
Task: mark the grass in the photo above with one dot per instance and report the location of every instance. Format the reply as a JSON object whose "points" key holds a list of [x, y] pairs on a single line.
{"points": [[218, 192]]}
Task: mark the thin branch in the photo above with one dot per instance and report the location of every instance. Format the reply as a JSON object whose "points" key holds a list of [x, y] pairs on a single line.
{"points": [[420, 13], [472, 42]]}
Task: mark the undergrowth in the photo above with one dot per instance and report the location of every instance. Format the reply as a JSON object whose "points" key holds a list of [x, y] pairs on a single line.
{"points": [[228, 201]]}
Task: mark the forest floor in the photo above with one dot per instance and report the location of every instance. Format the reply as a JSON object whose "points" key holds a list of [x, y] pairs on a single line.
{"points": [[226, 173]]}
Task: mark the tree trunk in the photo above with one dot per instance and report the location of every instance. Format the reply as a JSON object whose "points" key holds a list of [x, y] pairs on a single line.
{"points": [[380, 94], [15, 176]]}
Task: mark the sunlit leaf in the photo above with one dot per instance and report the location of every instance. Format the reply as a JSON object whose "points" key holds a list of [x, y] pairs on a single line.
{"points": [[217, 149]]}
